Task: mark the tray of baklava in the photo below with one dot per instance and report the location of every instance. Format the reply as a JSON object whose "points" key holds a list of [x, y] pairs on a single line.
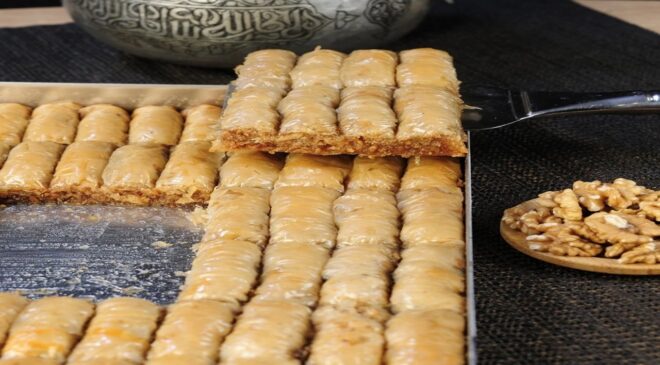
{"points": [[153, 247]]}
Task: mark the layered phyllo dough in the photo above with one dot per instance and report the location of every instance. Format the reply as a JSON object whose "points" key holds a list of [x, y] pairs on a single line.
{"points": [[158, 125], [55, 122], [103, 123], [120, 332]]}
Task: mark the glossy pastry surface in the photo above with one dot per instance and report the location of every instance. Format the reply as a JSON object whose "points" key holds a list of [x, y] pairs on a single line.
{"points": [[121, 330], [30, 166], [47, 328], [55, 122], [103, 123], [14, 119], [160, 125], [201, 122]]}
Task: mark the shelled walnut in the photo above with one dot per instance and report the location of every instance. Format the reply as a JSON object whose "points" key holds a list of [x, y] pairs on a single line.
{"points": [[614, 220]]}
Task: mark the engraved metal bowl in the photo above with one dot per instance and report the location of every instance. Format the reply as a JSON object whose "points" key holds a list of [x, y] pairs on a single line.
{"points": [[219, 33]]}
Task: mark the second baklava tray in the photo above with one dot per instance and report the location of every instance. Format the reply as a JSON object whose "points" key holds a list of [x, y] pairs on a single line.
{"points": [[304, 258]]}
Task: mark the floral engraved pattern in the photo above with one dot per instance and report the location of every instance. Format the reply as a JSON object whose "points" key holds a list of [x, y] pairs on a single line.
{"points": [[386, 12]]}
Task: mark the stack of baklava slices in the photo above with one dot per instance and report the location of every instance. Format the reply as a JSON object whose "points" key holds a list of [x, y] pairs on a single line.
{"points": [[305, 259], [371, 102]]}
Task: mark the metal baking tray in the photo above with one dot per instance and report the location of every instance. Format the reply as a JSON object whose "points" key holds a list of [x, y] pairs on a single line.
{"points": [[104, 251]]}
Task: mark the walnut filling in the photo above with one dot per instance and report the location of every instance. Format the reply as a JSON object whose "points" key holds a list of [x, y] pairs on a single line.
{"points": [[615, 220]]}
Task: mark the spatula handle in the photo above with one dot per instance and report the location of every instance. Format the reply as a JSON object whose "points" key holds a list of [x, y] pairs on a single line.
{"points": [[537, 104]]}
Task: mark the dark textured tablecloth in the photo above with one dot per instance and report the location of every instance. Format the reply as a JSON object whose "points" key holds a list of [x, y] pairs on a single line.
{"points": [[529, 312]]}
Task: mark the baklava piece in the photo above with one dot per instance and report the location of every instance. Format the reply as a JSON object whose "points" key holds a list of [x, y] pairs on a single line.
{"points": [[359, 283], [250, 170], [443, 173], [344, 337], [268, 332], [131, 174], [427, 286], [267, 68], [78, 176], [14, 119], [159, 125], [367, 217], [47, 328], [103, 123], [251, 115], [378, 173], [11, 304], [366, 113], [318, 67], [238, 214], [292, 272], [308, 112], [28, 171], [315, 171], [303, 214], [430, 216], [191, 333], [430, 115], [190, 174], [427, 66], [369, 67], [201, 122], [223, 271], [55, 122], [426, 337], [120, 332]]}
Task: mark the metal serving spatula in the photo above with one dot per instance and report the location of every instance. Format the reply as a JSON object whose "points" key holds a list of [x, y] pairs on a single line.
{"points": [[492, 107]]}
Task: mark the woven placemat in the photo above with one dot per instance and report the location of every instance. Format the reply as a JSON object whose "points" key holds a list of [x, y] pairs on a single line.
{"points": [[529, 312]]}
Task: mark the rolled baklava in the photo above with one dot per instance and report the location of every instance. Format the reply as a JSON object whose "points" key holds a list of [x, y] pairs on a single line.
{"points": [[267, 332], [430, 216], [190, 174], [14, 119], [367, 217], [366, 112], [11, 304], [443, 173], [426, 337], [292, 272], [103, 123], [303, 214], [132, 172], [191, 333], [315, 171], [223, 271], [380, 173], [428, 113], [201, 123], [55, 122], [250, 170], [159, 125], [369, 67], [318, 67], [345, 337], [27, 173], [238, 214], [250, 113], [121, 332], [427, 66], [78, 176], [47, 328], [309, 112], [268, 68]]}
